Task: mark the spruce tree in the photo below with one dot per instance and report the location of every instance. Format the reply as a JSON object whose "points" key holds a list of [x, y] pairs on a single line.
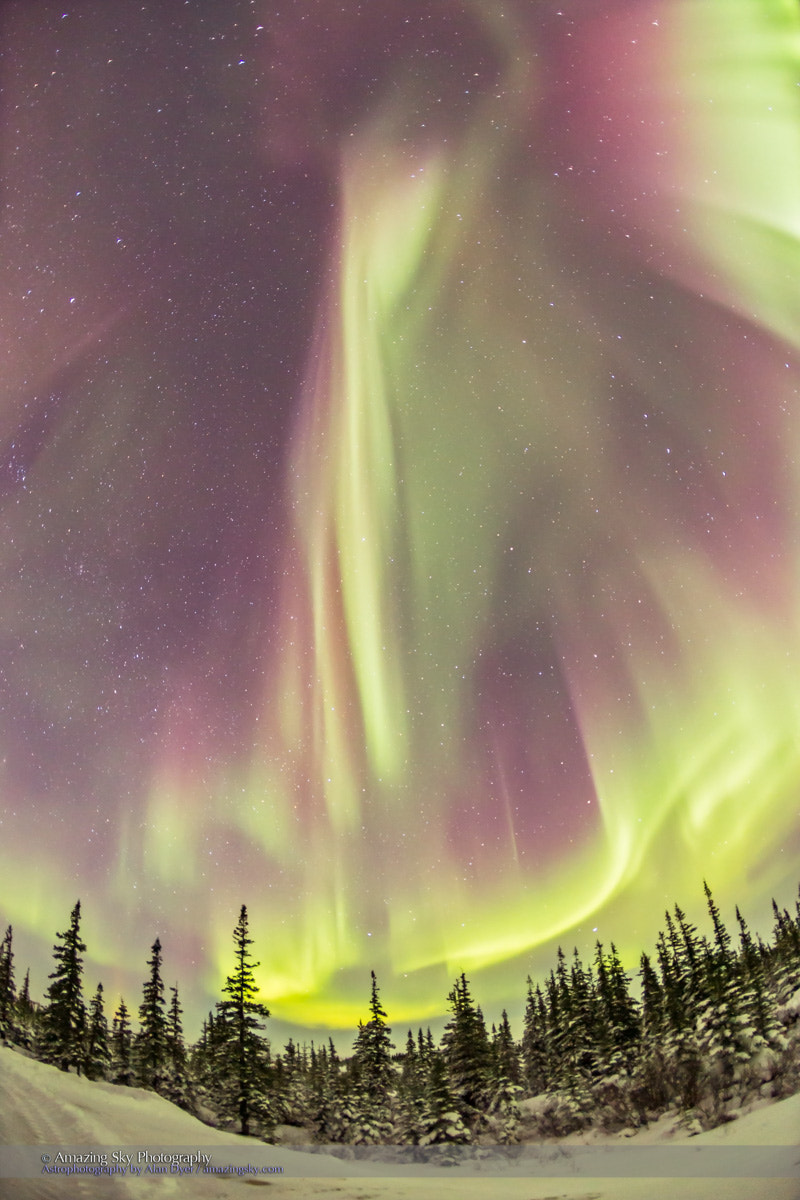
{"points": [[204, 1056], [651, 1087], [504, 1085], [374, 1076], [97, 1054], [292, 1075], [64, 1020], [720, 1028], [413, 1079], [784, 955], [122, 1047], [7, 990], [685, 990], [411, 1070], [318, 1070], [505, 1053], [535, 1042], [671, 984], [690, 961], [653, 1014], [24, 1002], [441, 1122], [334, 1063], [243, 1054], [753, 990], [176, 1050], [24, 1013], [721, 1022], [176, 1085], [564, 1027], [723, 957], [151, 1042], [620, 1013], [587, 1026], [425, 1046], [373, 1049], [333, 1109], [465, 1046]]}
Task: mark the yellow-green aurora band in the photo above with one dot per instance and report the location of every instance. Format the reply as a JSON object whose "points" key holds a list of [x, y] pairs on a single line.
{"points": [[457, 470], [535, 666]]}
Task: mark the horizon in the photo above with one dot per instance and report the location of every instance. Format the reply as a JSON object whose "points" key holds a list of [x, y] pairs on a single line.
{"points": [[343, 1036]]}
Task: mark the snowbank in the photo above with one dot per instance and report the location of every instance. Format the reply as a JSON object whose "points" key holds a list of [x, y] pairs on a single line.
{"points": [[44, 1108]]}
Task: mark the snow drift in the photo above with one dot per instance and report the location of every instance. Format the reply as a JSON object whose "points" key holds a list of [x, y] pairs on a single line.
{"points": [[55, 1112]]}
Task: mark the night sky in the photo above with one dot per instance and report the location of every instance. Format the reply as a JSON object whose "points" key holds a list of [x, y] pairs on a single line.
{"points": [[399, 436]]}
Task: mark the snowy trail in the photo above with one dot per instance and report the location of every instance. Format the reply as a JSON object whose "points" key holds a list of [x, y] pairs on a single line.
{"points": [[46, 1108], [42, 1106], [36, 1121]]}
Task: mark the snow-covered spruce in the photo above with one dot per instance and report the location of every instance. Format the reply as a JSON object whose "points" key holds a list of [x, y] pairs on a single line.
{"points": [[713, 1027]]}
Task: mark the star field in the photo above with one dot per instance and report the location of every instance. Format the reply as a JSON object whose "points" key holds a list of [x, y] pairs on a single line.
{"points": [[398, 467]]}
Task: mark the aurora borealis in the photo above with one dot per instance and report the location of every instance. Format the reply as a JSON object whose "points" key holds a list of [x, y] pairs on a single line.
{"points": [[400, 530]]}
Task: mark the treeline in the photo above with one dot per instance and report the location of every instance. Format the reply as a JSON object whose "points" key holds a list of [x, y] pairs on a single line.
{"points": [[714, 1024]]}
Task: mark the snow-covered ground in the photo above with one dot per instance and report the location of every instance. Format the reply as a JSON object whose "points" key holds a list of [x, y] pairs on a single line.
{"points": [[47, 1109]]}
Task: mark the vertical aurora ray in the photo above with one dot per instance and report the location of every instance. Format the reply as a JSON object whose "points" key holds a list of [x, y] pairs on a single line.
{"points": [[473, 507], [526, 659]]}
